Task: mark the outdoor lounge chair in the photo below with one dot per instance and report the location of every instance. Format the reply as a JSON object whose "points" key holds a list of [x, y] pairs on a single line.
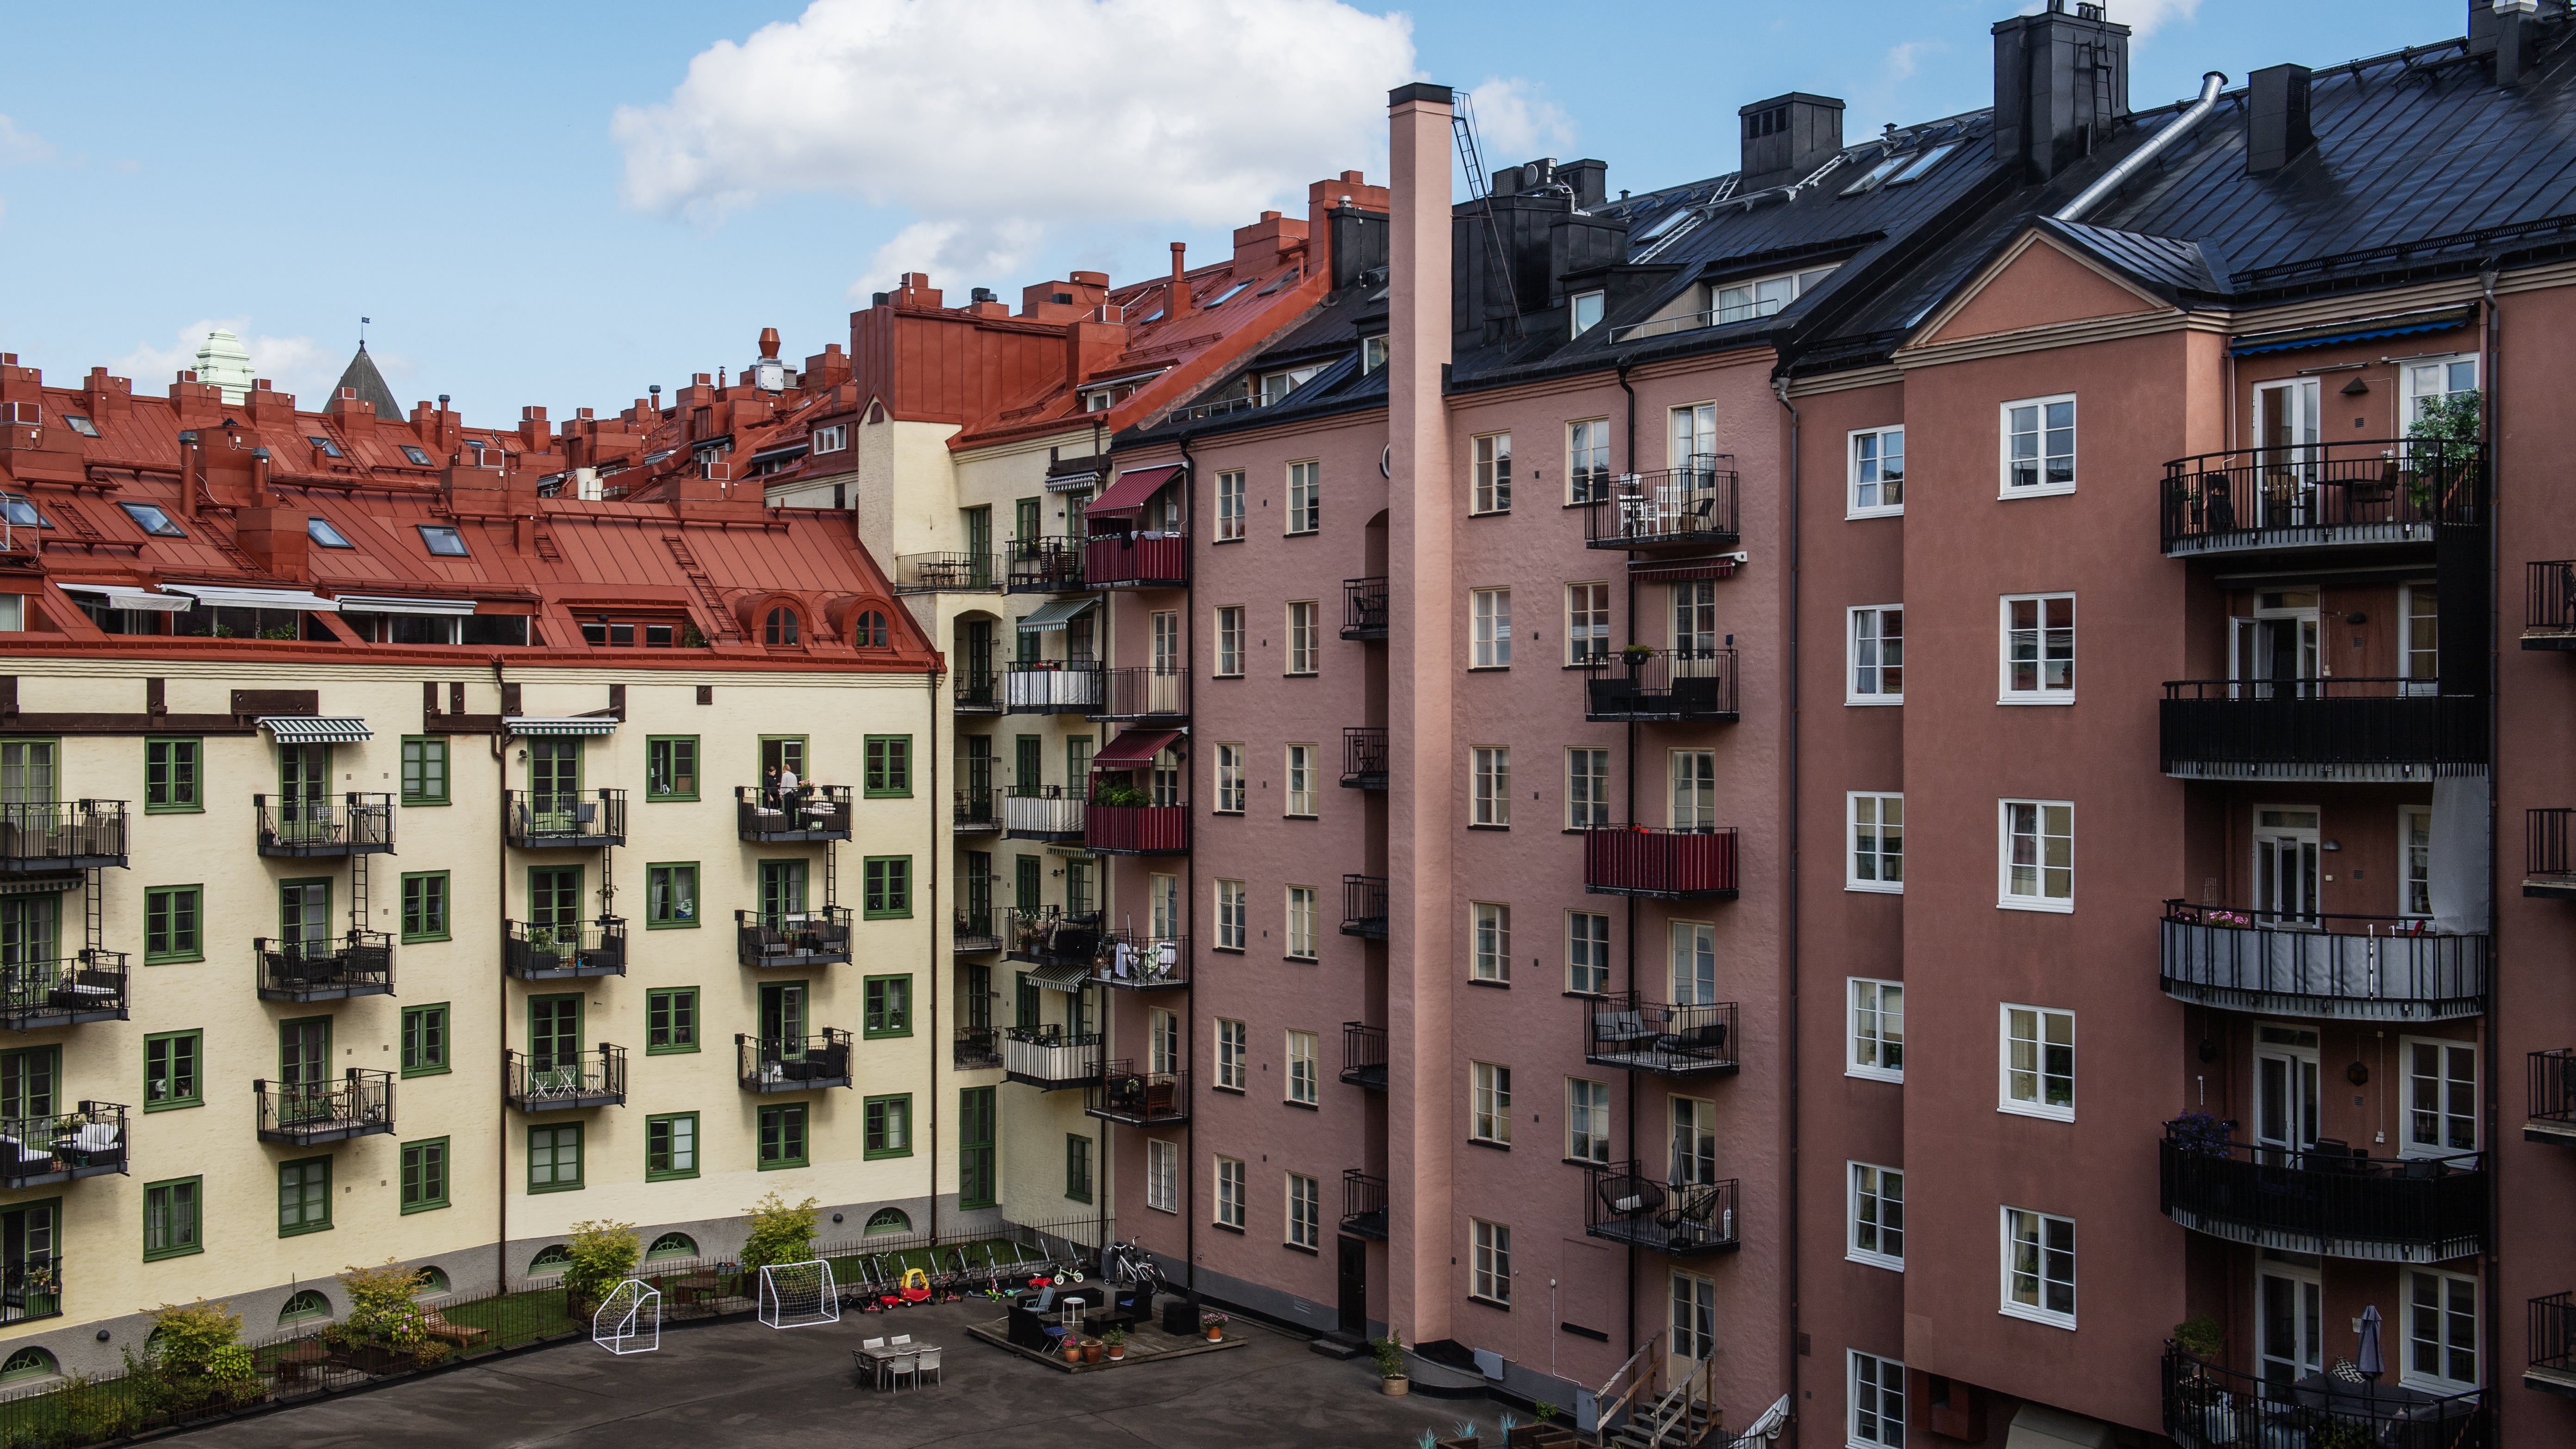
{"points": [[1619, 1028], [1690, 1221], [1628, 1196]]}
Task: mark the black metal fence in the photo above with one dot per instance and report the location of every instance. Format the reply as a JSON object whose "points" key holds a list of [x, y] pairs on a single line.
{"points": [[559, 820], [1364, 906], [974, 933], [1624, 1203], [1045, 565], [2382, 490], [979, 809], [354, 825], [1363, 1205], [1050, 937], [976, 687], [1674, 508], [1364, 607], [1140, 1098], [977, 1048], [360, 1104], [819, 937], [1660, 684], [1629, 1031], [353, 963], [88, 1141], [2550, 1324], [793, 1063], [2544, 844], [63, 835], [2327, 1199], [543, 1082], [1364, 757], [1364, 1055], [807, 813], [2276, 728], [87, 987], [566, 951], [2551, 1079], [2371, 968], [2209, 1407], [1141, 961], [945, 573]]}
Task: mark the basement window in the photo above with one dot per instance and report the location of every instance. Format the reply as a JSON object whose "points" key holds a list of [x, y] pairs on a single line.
{"points": [[443, 541], [323, 444], [152, 520], [418, 458], [80, 425], [321, 532]]}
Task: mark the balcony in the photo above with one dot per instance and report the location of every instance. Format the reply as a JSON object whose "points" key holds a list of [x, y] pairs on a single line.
{"points": [[2360, 730], [562, 1084], [1145, 696], [1142, 961], [816, 813], [978, 812], [566, 821], [1049, 937], [66, 835], [2208, 1407], [1046, 813], [1047, 1059], [1621, 1204], [1627, 1032], [2550, 1115], [566, 952], [2546, 869], [1137, 829], [2390, 969], [770, 939], [1364, 757], [316, 829], [1641, 685], [1049, 687], [2328, 1199], [1136, 561], [1044, 566], [974, 934], [1659, 863], [360, 1104], [1678, 508], [947, 573], [2319, 495], [62, 1147], [1140, 1099], [2551, 1336], [66, 992], [793, 1063], [1363, 1205], [1364, 1055], [1364, 607], [976, 687], [977, 1049], [31, 1288], [2549, 605], [354, 963], [1364, 907]]}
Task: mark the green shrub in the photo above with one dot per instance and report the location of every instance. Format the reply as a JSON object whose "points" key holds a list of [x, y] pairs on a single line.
{"points": [[384, 1307], [781, 1232], [2199, 1336], [603, 1254]]}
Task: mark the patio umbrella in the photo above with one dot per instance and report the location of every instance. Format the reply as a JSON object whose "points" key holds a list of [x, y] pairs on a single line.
{"points": [[2370, 1365]]}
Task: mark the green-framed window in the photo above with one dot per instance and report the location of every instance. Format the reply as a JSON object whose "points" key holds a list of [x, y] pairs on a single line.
{"points": [[173, 1222], [170, 1070], [172, 777], [1027, 882], [27, 1080], [174, 924], [670, 1146], [308, 1306], [889, 1006], [554, 1158], [555, 894], [889, 766], [424, 1040], [889, 1127], [424, 905], [782, 1136], [886, 881], [1025, 1008], [554, 1029], [671, 767], [783, 752], [424, 1175], [671, 895], [1077, 1167], [782, 889], [979, 1185], [671, 1020], [424, 770], [303, 1196]]}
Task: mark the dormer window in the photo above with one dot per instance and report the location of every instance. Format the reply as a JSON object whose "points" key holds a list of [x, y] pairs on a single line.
{"points": [[1760, 296], [1275, 386], [418, 458], [152, 520], [1587, 311], [80, 425], [323, 445], [1372, 353], [832, 439], [869, 632], [1097, 402], [779, 629]]}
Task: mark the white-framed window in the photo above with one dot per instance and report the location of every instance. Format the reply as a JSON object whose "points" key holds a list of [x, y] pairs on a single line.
{"points": [[1302, 634], [1305, 496], [1301, 923], [2037, 663], [1304, 1086], [1163, 1041], [1229, 1192], [2039, 1266], [1493, 799], [1694, 1141], [1229, 915], [1301, 781], [1587, 953], [1877, 473], [2036, 865], [1229, 779], [2441, 1097], [1694, 1318], [1229, 642], [1694, 437], [1694, 962], [1587, 788], [1587, 1120], [1877, 1029], [1492, 466], [2415, 860], [1492, 940], [1489, 1102], [1233, 1043], [1305, 1212], [1877, 839], [1695, 617], [1587, 461], [1372, 353], [1877, 637], [2439, 377], [1492, 1278], [1275, 386], [1229, 506], [2419, 637], [1877, 1217], [1585, 311], [2441, 1331], [1759, 296], [2038, 1067], [1162, 1175], [1692, 778], [832, 439], [1877, 1403], [1492, 614], [1587, 622], [2039, 446]]}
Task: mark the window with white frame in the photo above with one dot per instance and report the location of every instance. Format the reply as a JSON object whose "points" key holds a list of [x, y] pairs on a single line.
{"points": [[1587, 461], [1229, 1192], [1877, 1029], [1162, 1175], [1587, 1120], [2039, 446], [1301, 923], [1877, 636], [2441, 1331], [1695, 618], [1302, 634], [2038, 1062], [2037, 869], [1305, 1212], [1587, 953], [1692, 775], [2441, 1098], [1229, 642], [1229, 915], [1694, 437], [2415, 860], [1877, 1403], [1587, 622], [1492, 463], [1492, 614], [2419, 637], [1301, 781], [2039, 1266], [1694, 1142], [1492, 1278], [1489, 1102], [1305, 497], [1233, 1043], [1372, 353], [1303, 1083], [1229, 779], [1760, 296], [1163, 897], [1229, 506], [1492, 940], [1877, 825], [1493, 797], [1877, 1216], [1587, 788], [1162, 1041], [2038, 663], [1584, 309], [1694, 962], [1694, 1316], [1877, 472], [2436, 378]]}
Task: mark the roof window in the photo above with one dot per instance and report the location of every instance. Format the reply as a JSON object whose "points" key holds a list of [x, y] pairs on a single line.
{"points": [[323, 444], [22, 512], [1662, 224], [1228, 295], [418, 458], [1923, 164], [442, 540], [1372, 353], [321, 532], [1587, 311], [1276, 386], [80, 425], [1868, 180], [152, 520]]}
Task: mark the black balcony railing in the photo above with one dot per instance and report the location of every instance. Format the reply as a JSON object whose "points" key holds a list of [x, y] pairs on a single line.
{"points": [[2354, 968], [544, 1083], [1624, 1204], [946, 573], [1364, 906], [793, 1063], [1695, 863], [2208, 1407], [1626, 1031], [360, 1104], [979, 812], [31, 1288], [62, 1146], [1052, 687], [2546, 869], [2318, 729], [975, 934], [2550, 1115], [1043, 812], [553, 821], [63, 835], [88, 987], [1364, 757], [1364, 607], [2374, 491], [353, 963], [1684, 685], [1044, 565], [978, 1048], [1140, 1098], [2549, 605], [1363, 1205], [302, 829], [805, 814], [976, 687], [2327, 1199], [2550, 1325], [1049, 1059], [1677, 508], [819, 937], [1364, 1055], [1141, 961], [1050, 937], [1146, 695], [564, 952]]}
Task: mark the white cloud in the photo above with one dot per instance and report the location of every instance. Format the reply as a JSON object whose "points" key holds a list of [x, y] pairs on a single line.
{"points": [[1903, 60], [2143, 17], [22, 147], [1516, 123], [297, 365]]}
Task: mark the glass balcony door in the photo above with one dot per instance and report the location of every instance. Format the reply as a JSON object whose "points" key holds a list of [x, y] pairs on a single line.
{"points": [[2290, 1302], [2285, 1093], [2285, 420], [2285, 866], [2273, 653]]}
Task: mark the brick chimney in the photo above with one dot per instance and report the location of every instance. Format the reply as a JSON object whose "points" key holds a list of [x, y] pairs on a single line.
{"points": [[276, 540]]}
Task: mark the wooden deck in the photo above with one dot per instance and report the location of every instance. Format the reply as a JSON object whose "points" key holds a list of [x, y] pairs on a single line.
{"points": [[1146, 1344]]}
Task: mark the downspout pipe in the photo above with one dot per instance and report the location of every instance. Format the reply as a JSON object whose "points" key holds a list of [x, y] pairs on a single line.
{"points": [[1628, 460], [2211, 83], [501, 894], [2491, 424], [1189, 1184], [1790, 1028]]}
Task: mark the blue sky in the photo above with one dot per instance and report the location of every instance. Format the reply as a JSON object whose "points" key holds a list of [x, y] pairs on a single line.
{"points": [[544, 203]]}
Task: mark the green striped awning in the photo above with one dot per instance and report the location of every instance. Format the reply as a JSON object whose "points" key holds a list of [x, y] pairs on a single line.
{"points": [[316, 729], [1060, 978], [38, 885], [581, 724], [1056, 613]]}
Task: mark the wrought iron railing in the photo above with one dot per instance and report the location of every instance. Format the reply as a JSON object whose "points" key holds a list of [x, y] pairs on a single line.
{"points": [[2551, 1079], [2384, 490], [65, 835], [542, 1082], [1142, 961], [793, 1063], [356, 824], [31, 1287], [89, 1141], [2326, 1199], [1140, 1098], [1627, 1030], [974, 933], [2545, 862], [1691, 863], [1624, 1203], [1364, 906], [946, 573], [360, 1104], [817, 937], [2549, 604], [1363, 1205], [976, 686], [89, 986], [560, 819], [1364, 757], [1364, 603], [353, 963], [806, 813], [978, 1048], [2367, 968], [2209, 1407], [1660, 684], [1674, 508], [1045, 565], [979, 809], [2550, 1338], [566, 950], [1051, 937], [2304, 728], [1364, 1055]]}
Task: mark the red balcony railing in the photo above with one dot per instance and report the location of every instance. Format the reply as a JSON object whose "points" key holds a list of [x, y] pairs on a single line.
{"points": [[1136, 560], [1646, 860], [1138, 829]]}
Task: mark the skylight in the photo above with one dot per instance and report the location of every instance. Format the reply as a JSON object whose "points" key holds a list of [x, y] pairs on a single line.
{"points": [[1663, 224], [320, 441], [152, 520], [443, 541], [1923, 163], [1228, 295], [321, 532], [22, 513], [80, 425], [1874, 175], [418, 458]]}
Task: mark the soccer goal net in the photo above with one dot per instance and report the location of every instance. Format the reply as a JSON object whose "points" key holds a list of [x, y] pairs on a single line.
{"points": [[798, 1295], [629, 1319]]}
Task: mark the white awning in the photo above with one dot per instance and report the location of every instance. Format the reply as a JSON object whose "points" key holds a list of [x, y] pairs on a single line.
{"points": [[388, 604], [1060, 978], [315, 729], [233, 598], [122, 597], [585, 724]]}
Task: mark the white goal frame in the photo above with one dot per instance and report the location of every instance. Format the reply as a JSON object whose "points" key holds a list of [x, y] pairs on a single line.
{"points": [[629, 1319], [799, 1295]]}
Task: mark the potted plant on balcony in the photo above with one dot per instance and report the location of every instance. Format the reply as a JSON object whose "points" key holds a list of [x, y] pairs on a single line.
{"points": [[1116, 1340], [2200, 1337], [2448, 427], [1115, 795], [1393, 1381], [2201, 1133]]}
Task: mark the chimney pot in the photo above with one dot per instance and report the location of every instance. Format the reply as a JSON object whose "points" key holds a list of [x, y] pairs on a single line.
{"points": [[768, 342]]}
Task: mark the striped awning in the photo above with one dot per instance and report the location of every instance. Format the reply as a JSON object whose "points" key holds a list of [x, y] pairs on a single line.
{"points": [[1060, 978], [38, 885], [580, 724], [316, 729], [390, 604], [1056, 613]]}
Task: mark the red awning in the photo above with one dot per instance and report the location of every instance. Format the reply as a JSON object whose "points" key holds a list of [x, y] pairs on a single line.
{"points": [[1127, 497], [1134, 750]]}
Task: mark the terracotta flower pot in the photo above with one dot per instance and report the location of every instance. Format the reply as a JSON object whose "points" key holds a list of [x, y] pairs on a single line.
{"points": [[1216, 1333], [1117, 1350], [1091, 1353], [1073, 1353]]}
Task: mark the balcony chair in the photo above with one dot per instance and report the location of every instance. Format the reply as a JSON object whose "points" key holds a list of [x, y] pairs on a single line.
{"points": [[1689, 1222], [1625, 1195], [367, 960], [832, 1063], [1619, 1029], [21, 1159], [93, 1144], [1158, 1099], [832, 938], [1702, 1039], [770, 941]]}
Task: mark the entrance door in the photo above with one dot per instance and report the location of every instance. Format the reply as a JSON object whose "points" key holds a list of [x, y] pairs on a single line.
{"points": [[1694, 963], [2274, 652], [2290, 1329], [1694, 1304], [27, 783], [1695, 618], [2285, 865], [304, 916], [554, 898], [1164, 684], [2285, 1092], [977, 766], [782, 891], [27, 1082], [1351, 1296], [1694, 1162]]}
